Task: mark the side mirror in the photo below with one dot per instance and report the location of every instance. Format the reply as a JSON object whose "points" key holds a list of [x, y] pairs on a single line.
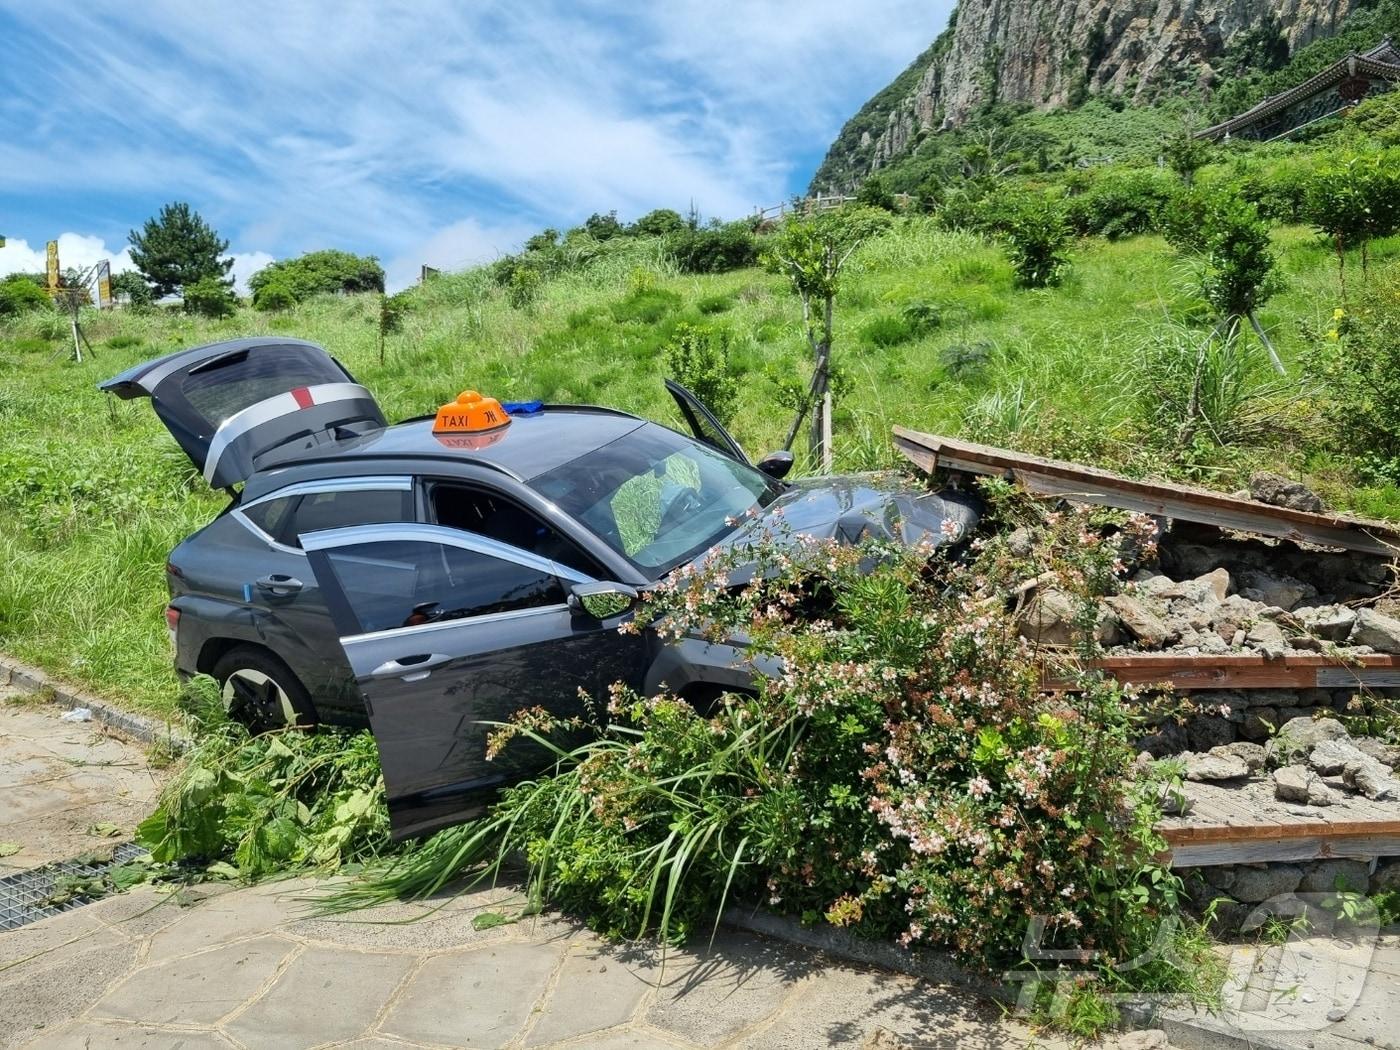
{"points": [[776, 464], [602, 601]]}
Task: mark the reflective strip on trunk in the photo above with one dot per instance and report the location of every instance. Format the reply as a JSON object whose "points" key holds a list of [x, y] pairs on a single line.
{"points": [[284, 404]]}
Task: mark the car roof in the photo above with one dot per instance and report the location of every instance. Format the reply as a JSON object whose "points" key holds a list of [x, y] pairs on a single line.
{"points": [[530, 445]]}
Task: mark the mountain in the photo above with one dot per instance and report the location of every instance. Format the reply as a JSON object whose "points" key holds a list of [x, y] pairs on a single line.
{"points": [[1048, 54]]}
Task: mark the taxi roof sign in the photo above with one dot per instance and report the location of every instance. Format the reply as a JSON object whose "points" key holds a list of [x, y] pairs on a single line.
{"points": [[470, 414]]}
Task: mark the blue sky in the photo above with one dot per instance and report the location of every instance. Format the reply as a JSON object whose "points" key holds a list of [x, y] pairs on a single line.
{"points": [[428, 132]]}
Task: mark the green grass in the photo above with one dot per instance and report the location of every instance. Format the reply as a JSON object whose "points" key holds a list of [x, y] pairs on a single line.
{"points": [[93, 493]]}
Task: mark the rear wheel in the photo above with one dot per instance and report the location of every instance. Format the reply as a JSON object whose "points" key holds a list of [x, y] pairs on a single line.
{"points": [[261, 691]]}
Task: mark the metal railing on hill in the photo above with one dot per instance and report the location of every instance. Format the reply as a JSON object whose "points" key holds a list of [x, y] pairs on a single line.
{"points": [[811, 205]]}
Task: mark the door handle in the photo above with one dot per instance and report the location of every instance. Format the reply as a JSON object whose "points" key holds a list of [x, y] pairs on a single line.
{"points": [[279, 584], [410, 668]]}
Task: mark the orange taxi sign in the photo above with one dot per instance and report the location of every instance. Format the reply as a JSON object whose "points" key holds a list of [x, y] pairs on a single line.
{"points": [[470, 414]]}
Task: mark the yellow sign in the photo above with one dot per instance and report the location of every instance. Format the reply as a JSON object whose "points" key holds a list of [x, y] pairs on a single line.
{"points": [[470, 413], [53, 267], [104, 285]]}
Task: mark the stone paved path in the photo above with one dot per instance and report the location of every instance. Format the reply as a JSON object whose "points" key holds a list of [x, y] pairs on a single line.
{"points": [[248, 968], [58, 779]]}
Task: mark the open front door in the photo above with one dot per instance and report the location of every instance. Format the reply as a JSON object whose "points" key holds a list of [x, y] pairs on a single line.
{"points": [[446, 630], [228, 403], [703, 424]]}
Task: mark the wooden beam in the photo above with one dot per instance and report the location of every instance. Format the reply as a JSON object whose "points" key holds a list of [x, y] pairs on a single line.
{"points": [[1081, 484], [1241, 671], [1259, 851]]}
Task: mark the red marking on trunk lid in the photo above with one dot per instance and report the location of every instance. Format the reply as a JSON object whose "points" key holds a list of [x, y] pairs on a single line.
{"points": [[302, 396]]}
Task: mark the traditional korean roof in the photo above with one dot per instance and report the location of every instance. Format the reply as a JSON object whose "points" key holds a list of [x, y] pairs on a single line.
{"points": [[1381, 62]]}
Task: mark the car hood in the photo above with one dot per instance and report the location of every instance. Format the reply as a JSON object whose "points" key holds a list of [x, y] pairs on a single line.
{"points": [[853, 508]]}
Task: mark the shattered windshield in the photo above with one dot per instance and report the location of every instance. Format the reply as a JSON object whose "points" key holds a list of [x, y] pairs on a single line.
{"points": [[656, 497]]}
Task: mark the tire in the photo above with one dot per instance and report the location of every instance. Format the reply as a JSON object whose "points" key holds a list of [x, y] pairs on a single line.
{"points": [[261, 691]]}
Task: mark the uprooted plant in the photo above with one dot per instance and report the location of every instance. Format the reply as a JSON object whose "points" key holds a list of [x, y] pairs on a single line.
{"points": [[252, 806], [902, 772]]}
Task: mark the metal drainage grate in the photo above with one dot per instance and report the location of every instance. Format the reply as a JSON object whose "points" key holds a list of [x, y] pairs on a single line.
{"points": [[24, 898]]}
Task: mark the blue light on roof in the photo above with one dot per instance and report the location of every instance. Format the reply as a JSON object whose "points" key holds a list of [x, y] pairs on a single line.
{"points": [[523, 408]]}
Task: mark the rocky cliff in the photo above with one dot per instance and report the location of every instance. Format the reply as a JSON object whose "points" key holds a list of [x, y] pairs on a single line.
{"points": [[1050, 53]]}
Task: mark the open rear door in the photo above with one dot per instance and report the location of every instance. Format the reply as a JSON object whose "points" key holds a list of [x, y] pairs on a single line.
{"points": [[228, 403], [703, 424]]}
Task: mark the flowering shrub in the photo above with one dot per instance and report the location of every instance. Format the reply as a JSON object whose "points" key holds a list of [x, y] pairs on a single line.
{"points": [[901, 772]]}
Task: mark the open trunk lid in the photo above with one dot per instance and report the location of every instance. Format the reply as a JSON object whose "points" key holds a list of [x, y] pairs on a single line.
{"points": [[228, 403]]}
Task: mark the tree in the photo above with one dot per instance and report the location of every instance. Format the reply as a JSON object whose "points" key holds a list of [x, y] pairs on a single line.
{"points": [[1037, 235], [1352, 201], [603, 227], [1186, 154], [698, 357], [811, 251], [320, 273], [178, 249], [210, 297], [391, 312], [875, 192], [131, 284], [18, 295], [658, 223]]}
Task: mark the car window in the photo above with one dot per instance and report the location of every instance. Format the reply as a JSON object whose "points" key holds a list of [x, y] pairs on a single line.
{"points": [[404, 583], [228, 385], [272, 516], [334, 510], [491, 515], [656, 497]]}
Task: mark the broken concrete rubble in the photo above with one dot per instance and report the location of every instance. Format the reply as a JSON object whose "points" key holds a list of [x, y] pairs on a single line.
{"points": [[1374, 629], [1301, 784], [1216, 764], [1279, 491]]}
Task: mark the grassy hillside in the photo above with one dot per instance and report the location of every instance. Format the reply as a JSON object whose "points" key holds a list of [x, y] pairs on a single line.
{"points": [[93, 493]]}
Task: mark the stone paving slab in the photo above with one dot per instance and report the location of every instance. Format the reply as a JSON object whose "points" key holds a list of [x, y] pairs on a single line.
{"points": [[248, 968]]}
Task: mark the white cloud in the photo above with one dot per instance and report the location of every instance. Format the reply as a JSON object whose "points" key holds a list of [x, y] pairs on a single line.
{"points": [[75, 251], [360, 125], [245, 264], [454, 247]]}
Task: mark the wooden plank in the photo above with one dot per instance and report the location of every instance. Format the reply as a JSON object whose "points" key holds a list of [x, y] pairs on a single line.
{"points": [[1258, 851], [1240, 671], [1258, 828], [1091, 485]]}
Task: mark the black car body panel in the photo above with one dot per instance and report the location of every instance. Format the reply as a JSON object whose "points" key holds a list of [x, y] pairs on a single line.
{"points": [[428, 584]]}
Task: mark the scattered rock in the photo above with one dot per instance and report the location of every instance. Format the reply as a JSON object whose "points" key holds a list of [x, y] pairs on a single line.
{"points": [[1389, 754], [1109, 629], [1331, 623], [1141, 621], [1325, 876], [1259, 723], [1021, 541], [1268, 638], [1214, 765], [1371, 778], [1330, 757], [1253, 885], [1278, 491], [1385, 877], [1380, 632], [1252, 755], [1153, 583], [1298, 735], [1301, 784], [1279, 592], [1048, 618]]}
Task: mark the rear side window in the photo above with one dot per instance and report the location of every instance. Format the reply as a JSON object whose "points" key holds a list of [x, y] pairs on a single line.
{"points": [[497, 518], [405, 583], [288, 518], [228, 385]]}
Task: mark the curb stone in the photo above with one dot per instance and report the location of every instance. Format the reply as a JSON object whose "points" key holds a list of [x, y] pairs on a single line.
{"points": [[134, 727]]}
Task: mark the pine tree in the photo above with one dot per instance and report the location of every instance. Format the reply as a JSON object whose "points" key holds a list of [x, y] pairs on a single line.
{"points": [[178, 249]]}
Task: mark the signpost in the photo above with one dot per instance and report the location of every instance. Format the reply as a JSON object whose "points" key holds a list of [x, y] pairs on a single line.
{"points": [[104, 285], [53, 268]]}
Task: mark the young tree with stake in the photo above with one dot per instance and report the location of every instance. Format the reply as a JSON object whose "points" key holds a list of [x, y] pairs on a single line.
{"points": [[811, 251]]}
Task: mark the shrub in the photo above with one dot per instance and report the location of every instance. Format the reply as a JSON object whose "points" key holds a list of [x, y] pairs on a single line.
{"points": [[603, 227], [319, 273], [1353, 200], [1037, 237], [210, 297], [714, 304], [874, 192], [1122, 203], [658, 223], [1225, 231], [887, 330], [274, 295], [646, 306], [922, 317], [524, 287], [19, 295], [715, 249], [1357, 363], [139, 294], [697, 357]]}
